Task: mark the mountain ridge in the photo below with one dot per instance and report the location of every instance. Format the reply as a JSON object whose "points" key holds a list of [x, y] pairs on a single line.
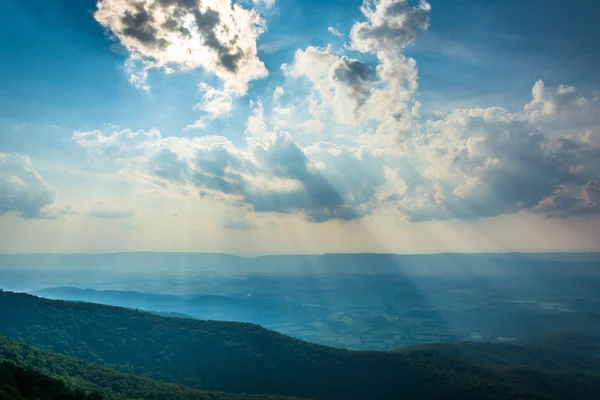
{"points": [[245, 358]]}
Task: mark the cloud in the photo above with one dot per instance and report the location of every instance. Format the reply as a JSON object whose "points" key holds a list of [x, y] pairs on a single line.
{"points": [[566, 202], [22, 189], [353, 171], [124, 145], [335, 32], [104, 211], [391, 25], [465, 163], [180, 35], [266, 3], [559, 102], [354, 75], [270, 174], [312, 192], [277, 93], [315, 126], [485, 162], [256, 125], [357, 91], [342, 83], [215, 103]]}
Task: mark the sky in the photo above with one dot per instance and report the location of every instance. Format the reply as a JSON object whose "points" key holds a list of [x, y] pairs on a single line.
{"points": [[287, 126]]}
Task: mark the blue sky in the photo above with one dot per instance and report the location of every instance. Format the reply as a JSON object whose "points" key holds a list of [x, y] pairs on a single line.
{"points": [[415, 86], [60, 62]]}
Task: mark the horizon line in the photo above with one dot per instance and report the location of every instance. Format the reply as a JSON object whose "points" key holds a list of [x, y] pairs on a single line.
{"points": [[447, 253]]}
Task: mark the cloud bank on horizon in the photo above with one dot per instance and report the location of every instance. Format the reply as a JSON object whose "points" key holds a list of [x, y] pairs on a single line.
{"points": [[342, 137]]}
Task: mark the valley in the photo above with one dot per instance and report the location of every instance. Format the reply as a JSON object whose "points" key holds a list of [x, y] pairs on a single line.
{"points": [[373, 302], [122, 353]]}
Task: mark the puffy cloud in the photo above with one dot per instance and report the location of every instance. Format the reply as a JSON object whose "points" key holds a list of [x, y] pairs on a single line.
{"points": [[486, 162], [315, 126], [256, 125], [391, 25], [466, 163], [178, 35], [566, 202], [22, 189], [558, 102], [342, 83], [270, 174], [277, 93], [215, 103], [285, 117], [314, 194], [353, 76], [119, 146], [357, 91]]}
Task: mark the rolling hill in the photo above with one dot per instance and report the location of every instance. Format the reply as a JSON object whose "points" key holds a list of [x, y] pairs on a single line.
{"points": [[245, 358], [93, 379], [17, 383], [208, 307]]}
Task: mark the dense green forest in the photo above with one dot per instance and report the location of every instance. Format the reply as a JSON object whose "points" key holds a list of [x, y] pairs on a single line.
{"points": [[17, 383], [245, 358], [112, 384], [553, 353]]}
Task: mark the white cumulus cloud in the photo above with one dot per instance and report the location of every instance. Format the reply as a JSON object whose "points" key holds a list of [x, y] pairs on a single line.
{"points": [[465, 163], [270, 174], [556, 102], [178, 35], [22, 189]]}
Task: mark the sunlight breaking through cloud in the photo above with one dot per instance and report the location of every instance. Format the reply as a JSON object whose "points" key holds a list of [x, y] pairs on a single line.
{"points": [[374, 149]]}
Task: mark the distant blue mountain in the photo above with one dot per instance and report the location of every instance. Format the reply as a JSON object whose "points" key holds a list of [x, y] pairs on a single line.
{"points": [[436, 264], [208, 307]]}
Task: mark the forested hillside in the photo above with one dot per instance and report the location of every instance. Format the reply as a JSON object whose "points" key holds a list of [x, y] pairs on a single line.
{"points": [[556, 356], [17, 383], [112, 384], [245, 358]]}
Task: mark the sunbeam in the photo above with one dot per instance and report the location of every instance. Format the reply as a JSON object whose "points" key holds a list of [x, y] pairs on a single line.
{"points": [[299, 199]]}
